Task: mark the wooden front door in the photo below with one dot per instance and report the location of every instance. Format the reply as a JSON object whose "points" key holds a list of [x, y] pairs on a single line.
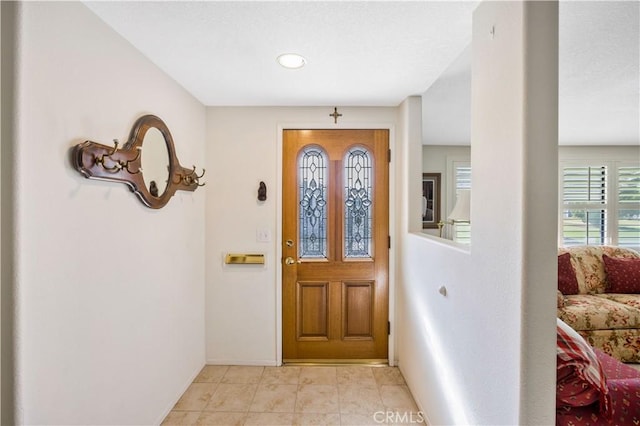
{"points": [[335, 237]]}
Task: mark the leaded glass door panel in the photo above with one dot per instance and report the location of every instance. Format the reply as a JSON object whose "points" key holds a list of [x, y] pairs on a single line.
{"points": [[335, 245]]}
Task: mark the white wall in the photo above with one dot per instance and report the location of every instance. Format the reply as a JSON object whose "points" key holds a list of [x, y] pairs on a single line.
{"points": [[1, 257], [434, 157], [484, 353], [100, 340], [244, 147], [109, 295], [603, 153]]}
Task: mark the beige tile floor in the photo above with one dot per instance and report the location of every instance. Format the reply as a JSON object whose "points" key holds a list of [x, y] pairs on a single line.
{"points": [[315, 395]]}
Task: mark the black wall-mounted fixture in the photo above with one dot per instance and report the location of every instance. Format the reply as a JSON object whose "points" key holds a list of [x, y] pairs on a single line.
{"points": [[262, 191]]}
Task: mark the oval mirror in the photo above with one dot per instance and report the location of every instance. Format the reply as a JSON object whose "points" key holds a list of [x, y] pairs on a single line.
{"points": [[147, 163], [155, 162]]}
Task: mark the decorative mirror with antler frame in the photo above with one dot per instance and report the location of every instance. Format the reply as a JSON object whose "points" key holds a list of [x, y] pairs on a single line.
{"points": [[147, 163]]}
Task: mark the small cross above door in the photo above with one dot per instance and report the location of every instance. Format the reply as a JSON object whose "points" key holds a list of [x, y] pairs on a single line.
{"points": [[335, 115]]}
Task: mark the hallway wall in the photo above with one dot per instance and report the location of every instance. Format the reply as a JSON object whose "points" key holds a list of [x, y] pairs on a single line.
{"points": [[109, 295], [483, 352], [101, 340], [244, 148]]}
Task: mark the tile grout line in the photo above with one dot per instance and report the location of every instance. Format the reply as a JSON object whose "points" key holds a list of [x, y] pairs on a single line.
{"points": [[295, 400], [339, 404], [261, 382], [254, 396]]}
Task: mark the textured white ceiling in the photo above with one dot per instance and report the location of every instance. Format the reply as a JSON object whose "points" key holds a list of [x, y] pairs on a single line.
{"points": [[599, 80], [376, 53], [446, 105], [599, 73], [359, 53]]}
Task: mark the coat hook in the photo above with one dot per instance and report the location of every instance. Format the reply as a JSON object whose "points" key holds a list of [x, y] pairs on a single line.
{"points": [[262, 191], [191, 178], [118, 165]]}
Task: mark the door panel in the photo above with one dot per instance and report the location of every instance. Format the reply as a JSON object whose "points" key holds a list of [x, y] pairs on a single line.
{"points": [[357, 312], [312, 321], [335, 248]]}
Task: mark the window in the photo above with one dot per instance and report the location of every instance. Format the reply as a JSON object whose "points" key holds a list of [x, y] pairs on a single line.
{"points": [[358, 208], [312, 187], [462, 180], [628, 208], [600, 204]]}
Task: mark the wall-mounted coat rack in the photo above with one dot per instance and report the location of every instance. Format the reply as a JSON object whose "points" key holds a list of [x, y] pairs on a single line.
{"points": [[147, 163]]}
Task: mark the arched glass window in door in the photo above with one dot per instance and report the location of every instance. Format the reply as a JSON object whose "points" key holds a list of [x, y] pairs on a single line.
{"points": [[358, 206], [312, 211]]}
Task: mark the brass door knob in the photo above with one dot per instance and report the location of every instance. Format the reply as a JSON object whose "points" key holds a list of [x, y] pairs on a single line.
{"points": [[289, 261]]}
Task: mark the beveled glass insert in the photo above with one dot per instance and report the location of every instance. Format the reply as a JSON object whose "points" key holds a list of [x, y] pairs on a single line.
{"points": [[358, 205], [312, 212]]}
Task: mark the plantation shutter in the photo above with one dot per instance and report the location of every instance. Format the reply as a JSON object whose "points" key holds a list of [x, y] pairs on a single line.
{"points": [[584, 215], [628, 207], [601, 204]]}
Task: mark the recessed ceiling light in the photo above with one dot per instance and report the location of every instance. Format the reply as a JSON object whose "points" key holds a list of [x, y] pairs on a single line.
{"points": [[291, 60]]}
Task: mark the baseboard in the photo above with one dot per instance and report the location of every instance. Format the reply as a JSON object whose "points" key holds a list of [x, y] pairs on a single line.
{"points": [[168, 409], [262, 363], [420, 408], [256, 362]]}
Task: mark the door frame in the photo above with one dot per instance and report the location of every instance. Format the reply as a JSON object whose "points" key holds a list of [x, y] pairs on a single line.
{"points": [[392, 221]]}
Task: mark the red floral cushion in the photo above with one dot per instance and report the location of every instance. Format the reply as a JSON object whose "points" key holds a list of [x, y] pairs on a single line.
{"points": [[580, 377], [623, 275], [567, 282]]}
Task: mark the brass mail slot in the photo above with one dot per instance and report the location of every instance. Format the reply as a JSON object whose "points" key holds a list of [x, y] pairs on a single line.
{"points": [[244, 259]]}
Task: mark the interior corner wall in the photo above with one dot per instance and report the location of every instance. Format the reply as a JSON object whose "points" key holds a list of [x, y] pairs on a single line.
{"points": [[483, 352], [244, 147], [2, 202], [412, 128], [109, 294], [539, 208], [409, 124], [7, 74]]}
